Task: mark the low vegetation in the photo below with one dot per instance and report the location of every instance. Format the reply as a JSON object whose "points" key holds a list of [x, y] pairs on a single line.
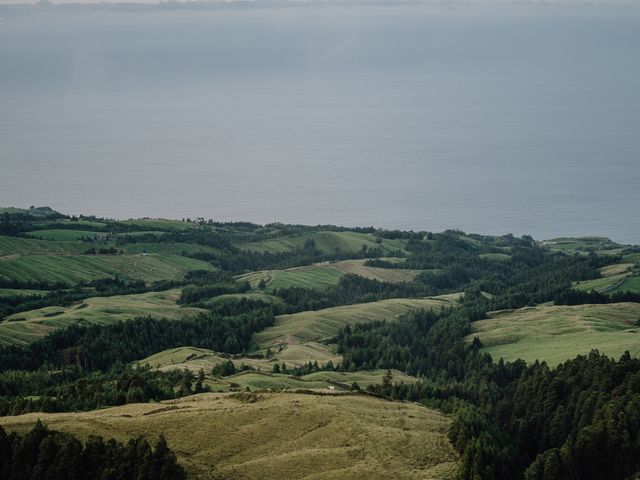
{"points": [[271, 436], [555, 334]]}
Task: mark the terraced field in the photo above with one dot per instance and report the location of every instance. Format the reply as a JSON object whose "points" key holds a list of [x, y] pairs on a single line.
{"points": [[327, 242], [318, 325], [73, 269], [276, 436], [558, 333], [10, 246], [322, 275], [25, 327]]}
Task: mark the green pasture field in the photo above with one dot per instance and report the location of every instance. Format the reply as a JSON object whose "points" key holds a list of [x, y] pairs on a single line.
{"points": [[558, 333], [325, 274], [326, 242], [74, 269], [318, 325], [26, 327], [10, 246]]}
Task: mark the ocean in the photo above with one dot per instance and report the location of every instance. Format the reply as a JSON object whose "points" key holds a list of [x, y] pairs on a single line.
{"points": [[520, 119]]}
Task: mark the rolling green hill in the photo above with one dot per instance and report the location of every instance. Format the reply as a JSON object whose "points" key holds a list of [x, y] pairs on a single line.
{"points": [[318, 325], [321, 275], [26, 327], [84, 268], [558, 333], [246, 436], [326, 242], [27, 246]]}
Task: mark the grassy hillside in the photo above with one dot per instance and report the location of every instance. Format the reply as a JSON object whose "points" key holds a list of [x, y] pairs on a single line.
{"points": [[326, 242], [322, 324], [558, 333], [26, 327], [29, 246], [84, 268], [275, 436], [601, 245], [324, 274], [195, 359], [619, 277]]}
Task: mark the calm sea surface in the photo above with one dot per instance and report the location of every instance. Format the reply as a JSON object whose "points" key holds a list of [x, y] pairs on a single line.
{"points": [[491, 120]]}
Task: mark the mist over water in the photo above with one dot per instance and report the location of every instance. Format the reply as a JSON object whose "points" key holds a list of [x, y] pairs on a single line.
{"points": [[491, 120]]}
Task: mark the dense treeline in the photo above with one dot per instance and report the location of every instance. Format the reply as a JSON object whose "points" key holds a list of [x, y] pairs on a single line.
{"points": [[350, 289], [208, 285], [571, 296], [73, 390], [83, 367], [98, 347], [578, 421], [44, 454]]}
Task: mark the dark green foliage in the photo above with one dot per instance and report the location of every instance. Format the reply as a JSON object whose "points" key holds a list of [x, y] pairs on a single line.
{"points": [[577, 297], [98, 347], [224, 369], [44, 454], [72, 390]]}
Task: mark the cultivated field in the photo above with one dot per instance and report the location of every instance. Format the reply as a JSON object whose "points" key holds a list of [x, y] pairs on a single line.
{"points": [[327, 242], [31, 246], [26, 327], [314, 326], [74, 269], [246, 436], [322, 275], [558, 333]]}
